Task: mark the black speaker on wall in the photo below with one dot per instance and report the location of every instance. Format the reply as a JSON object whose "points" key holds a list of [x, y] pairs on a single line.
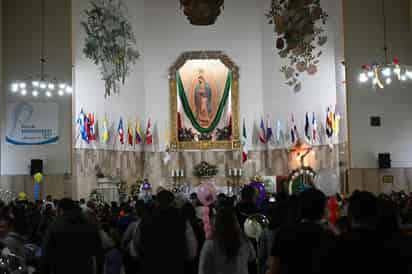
{"points": [[36, 165], [384, 160]]}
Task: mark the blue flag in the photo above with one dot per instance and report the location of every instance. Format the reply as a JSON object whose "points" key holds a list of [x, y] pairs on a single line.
{"points": [[82, 121]]}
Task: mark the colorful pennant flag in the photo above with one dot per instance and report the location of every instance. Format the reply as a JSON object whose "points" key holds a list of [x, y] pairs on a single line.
{"points": [[314, 128], [81, 121], [269, 131], [120, 131], [130, 133], [293, 131], [329, 123], [167, 157], [105, 131], [149, 136], [278, 131], [91, 127], [137, 134], [244, 143], [307, 128], [87, 127], [336, 128], [262, 132]]}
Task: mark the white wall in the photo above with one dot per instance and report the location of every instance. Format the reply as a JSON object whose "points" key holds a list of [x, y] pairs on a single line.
{"points": [[241, 31], [1, 77], [21, 57], [89, 88], [318, 92], [364, 44]]}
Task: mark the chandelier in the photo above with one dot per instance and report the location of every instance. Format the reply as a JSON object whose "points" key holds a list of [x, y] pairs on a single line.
{"points": [[383, 74], [202, 12], [41, 84]]}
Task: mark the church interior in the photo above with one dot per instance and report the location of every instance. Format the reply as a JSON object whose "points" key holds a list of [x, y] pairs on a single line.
{"points": [[115, 100]]}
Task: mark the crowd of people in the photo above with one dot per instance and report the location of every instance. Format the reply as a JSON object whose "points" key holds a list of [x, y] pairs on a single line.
{"points": [[166, 235]]}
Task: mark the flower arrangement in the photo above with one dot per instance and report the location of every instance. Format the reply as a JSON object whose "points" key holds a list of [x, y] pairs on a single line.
{"points": [[298, 25], [204, 169], [136, 187], [110, 42]]}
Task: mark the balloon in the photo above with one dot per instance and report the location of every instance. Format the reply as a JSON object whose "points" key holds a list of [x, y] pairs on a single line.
{"points": [[38, 177], [254, 225], [333, 210], [253, 229], [36, 192], [206, 193], [22, 196], [327, 181], [260, 192]]}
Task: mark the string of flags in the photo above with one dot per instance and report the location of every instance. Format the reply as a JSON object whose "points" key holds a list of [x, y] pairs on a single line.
{"points": [[312, 131], [89, 131]]}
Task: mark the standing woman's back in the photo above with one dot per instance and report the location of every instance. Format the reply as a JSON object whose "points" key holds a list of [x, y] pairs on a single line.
{"points": [[229, 251]]}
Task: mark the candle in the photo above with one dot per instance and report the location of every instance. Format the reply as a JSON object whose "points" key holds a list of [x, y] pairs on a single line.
{"points": [[230, 171], [181, 173]]}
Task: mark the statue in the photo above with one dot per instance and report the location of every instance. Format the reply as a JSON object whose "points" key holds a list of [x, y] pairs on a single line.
{"points": [[203, 102]]}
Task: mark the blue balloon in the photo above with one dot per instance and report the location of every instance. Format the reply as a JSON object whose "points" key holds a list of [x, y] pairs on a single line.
{"points": [[36, 192]]}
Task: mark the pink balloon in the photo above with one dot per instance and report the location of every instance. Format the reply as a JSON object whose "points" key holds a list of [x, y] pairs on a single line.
{"points": [[206, 193]]}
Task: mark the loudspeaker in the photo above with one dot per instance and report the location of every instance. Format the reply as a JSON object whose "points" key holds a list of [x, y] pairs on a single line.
{"points": [[384, 160], [36, 165]]}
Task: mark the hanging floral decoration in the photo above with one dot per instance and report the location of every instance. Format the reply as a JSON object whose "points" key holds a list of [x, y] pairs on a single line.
{"points": [[300, 35], [110, 42]]}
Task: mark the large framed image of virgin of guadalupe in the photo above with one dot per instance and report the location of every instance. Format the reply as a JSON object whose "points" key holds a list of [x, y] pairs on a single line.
{"points": [[204, 102]]}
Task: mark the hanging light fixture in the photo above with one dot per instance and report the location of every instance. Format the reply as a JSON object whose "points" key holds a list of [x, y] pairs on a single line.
{"points": [[41, 84], [383, 74]]}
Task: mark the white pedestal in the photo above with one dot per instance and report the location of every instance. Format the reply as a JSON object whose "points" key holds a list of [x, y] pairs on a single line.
{"points": [[108, 188]]}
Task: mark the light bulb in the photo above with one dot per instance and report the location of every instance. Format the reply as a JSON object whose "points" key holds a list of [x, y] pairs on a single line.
{"points": [[22, 85], [51, 86], [43, 85], [388, 81], [48, 94], [370, 74], [14, 87], [35, 93], [363, 78], [61, 92], [62, 86], [409, 74], [403, 78], [386, 72], [69, 89], [23, 92], [35, 83]]}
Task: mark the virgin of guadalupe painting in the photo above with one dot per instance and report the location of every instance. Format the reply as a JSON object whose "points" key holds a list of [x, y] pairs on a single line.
{"points": [[204, 101]]}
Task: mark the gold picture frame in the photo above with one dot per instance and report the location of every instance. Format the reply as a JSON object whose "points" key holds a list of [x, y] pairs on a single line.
{"points": [[175, 143]]}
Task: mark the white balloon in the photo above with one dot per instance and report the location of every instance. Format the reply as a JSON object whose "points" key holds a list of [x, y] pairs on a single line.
{"points": [[253, 229], [327, 180]]}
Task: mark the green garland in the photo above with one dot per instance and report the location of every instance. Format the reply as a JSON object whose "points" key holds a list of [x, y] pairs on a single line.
{"points": [[188, 110]]}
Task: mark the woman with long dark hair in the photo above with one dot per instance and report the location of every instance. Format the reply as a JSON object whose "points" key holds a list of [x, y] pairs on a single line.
{"points": [[229, 251]]}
